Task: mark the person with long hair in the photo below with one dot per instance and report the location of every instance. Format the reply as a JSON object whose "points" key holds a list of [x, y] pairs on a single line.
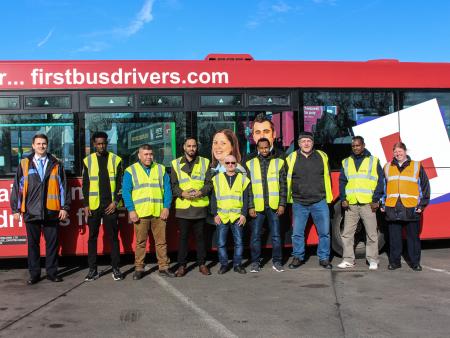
{"points": [[225, 143]]}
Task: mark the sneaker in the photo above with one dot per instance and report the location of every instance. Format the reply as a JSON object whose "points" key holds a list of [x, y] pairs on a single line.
{"points": [[277, 267], [325, 264], [373, 266], [117, 275], [416, 267], [295, 263], [92, 275], [223, 269], [346, 265], [394, 266], [239, 269], [255, 267]]}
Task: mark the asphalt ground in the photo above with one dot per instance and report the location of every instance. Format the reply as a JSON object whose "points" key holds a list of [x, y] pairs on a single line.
{"points": [[306, 302]]}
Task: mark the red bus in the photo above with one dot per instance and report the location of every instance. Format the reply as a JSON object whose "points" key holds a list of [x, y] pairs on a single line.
{"points": [[161, 102]]}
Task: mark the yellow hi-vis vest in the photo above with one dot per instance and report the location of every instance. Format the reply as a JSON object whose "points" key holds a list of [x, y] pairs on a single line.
{"points": [[91, 163], [290, 160], [273, 182], [195, 181], [361, 183], [403, 184], [229, 200], [148, 190]]}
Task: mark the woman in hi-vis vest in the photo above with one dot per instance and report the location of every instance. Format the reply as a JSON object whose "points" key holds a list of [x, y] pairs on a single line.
{"points": [[407, 195]]}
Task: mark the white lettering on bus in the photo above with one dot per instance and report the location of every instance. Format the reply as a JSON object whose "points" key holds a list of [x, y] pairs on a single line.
{"points": [[2, 75], [76, 193], [120, 77]]}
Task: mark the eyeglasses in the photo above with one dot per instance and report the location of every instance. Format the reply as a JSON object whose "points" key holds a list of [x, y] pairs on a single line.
{"points": [[228, 163]]}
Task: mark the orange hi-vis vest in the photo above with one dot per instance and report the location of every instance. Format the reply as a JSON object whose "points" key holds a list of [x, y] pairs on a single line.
{"points": [[53, 191], [403, 185]]}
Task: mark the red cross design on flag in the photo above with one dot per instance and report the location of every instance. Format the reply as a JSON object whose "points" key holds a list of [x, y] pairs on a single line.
{"points": [[388, 141]]}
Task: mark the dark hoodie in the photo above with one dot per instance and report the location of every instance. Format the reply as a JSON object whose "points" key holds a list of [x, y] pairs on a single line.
{"points": [[37, 192], [400, 212], [379, 189]]}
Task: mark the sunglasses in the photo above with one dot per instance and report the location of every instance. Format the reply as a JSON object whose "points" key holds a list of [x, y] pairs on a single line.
{"points": [[228, 163]]}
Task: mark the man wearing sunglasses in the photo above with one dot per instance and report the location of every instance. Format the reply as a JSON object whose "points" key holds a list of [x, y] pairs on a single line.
{"points": [[229, 205]]}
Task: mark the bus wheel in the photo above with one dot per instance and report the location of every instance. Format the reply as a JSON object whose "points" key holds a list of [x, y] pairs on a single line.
{"points": [[337, 226]]}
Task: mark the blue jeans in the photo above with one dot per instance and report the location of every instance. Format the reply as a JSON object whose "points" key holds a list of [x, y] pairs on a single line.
{"points": [[321, 218], [255, 240], [222, 234]]}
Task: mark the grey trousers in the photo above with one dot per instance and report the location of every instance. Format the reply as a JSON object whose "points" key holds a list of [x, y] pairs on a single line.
{"points": [[352, 216]]}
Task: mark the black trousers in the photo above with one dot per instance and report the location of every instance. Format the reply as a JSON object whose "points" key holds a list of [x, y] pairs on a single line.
{"points": [[50, 230], [412, 239], [111, 227], [198, 226]]}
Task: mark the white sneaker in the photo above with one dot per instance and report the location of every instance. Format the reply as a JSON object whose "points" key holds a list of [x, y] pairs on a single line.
{"points": [[346, 265], [373, 266]]}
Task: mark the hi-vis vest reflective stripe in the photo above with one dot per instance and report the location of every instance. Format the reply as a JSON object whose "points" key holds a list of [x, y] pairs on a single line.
{"points": [[290, 160], [273, 182], [403, 184], [148, 190], [361, 183], [195, 181], [53, 201], [91, 163], [229, 200]]}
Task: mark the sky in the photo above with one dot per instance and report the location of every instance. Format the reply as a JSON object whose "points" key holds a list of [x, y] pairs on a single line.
{"points": [[335, 30]]}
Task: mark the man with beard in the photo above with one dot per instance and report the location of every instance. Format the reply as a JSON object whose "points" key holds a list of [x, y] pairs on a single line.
{"points": [[191, 184]]}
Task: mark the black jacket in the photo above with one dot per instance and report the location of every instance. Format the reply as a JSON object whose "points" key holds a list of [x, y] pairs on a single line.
{"points": [[379, 189], [37, 192], [264, 164], [400, 212]]}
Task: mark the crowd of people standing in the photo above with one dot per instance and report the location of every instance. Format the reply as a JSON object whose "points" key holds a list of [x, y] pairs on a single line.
{"points": [[228, 191]]}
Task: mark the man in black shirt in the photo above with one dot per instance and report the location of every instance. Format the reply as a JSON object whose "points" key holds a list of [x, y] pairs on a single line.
{"points": [[102, 184], [309, 189]]}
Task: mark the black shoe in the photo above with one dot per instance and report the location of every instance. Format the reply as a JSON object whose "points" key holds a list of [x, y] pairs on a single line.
{"points": [[166, 273], [117, 274], [239, 269], [55, 279], [33, 280], [417, 267], [325, 264], [223, 269], [394, 266], [295, 263], [138, 275], [92, 275]]}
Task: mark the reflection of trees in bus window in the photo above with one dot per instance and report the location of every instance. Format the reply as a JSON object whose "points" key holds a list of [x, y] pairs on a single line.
{"points": [[210, 122], [164, 131], [17, 131], [241, 123], [443, 99], [331, 116]]}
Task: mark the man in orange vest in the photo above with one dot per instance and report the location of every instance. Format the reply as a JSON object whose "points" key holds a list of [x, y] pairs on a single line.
{"points": [[40, 195]]}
